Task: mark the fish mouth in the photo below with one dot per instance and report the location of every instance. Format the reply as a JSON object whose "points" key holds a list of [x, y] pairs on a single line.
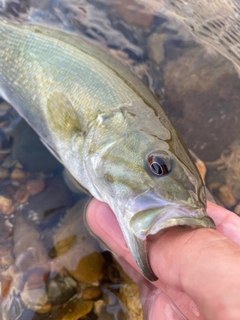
{"points": [[151, 221]]}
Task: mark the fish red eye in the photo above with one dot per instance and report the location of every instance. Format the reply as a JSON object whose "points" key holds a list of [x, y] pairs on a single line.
{"points": [[157, 165]]}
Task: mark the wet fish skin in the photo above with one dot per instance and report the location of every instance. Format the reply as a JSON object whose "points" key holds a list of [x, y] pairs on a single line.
{"points": [[102, 123]]}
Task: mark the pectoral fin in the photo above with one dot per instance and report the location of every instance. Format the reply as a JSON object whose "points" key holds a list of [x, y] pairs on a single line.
{"points": [[62, 118]]}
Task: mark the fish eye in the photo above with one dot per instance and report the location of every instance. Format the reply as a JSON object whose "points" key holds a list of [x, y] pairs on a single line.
{"points": [[157, 165]]}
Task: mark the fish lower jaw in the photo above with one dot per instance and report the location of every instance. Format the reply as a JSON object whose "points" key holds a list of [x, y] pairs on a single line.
{"points": [[162, 222], [194, 223]]}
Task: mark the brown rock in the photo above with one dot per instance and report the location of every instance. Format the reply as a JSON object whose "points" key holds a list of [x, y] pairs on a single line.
{"points": [[36, 299], [21, 195], [61, 288], [6, 205], [18, 165], [99, 307], [64, 245], [89, 268], [5, 283], [237, 209], [19, 174], [34, 294], [75, 310], [129, 296], [37, 278], [4, 173], [135, 14], [91, 293], [6, 257], [35, 186], [226, 197], [214, 186]]}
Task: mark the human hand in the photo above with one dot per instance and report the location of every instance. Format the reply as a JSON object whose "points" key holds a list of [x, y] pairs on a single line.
{"points": [[198, 270]]}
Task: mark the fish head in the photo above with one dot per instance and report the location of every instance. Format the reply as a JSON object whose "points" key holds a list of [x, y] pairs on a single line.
{"points": [[151, 184]]}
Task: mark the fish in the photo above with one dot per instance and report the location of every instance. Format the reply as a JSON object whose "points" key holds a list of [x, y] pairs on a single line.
{"points": [[106, 128]]}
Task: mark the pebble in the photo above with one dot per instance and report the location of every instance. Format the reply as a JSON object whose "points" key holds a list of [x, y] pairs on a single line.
{"points": [[155, 47], [18, 165], [35, 186], [6, 205], [5, 283], [214, 186], [237, 209], [21, 195], [61, 288], [64, 245], [129, 296], [34, 294], [36, 299], [6, 257], [89, 268], [75, 310], [91, 293], [225, 196], [36, 278], [19, 174], [4, 173], [142, 17], [99, 307]]}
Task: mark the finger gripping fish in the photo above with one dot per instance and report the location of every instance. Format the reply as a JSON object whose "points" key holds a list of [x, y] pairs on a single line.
{"points": [[107, 129]]}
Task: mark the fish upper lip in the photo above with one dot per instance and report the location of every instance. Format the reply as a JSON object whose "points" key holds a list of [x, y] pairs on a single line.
{"points": [[163, 218]]}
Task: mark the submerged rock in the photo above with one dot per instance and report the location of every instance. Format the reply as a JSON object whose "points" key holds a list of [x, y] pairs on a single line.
{"points": [[91, 293], [75, 310], [89, 268], [7, 206]]}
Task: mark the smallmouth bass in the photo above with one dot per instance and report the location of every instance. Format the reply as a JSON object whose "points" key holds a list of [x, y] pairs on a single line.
{"points": [[106, 128]]}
